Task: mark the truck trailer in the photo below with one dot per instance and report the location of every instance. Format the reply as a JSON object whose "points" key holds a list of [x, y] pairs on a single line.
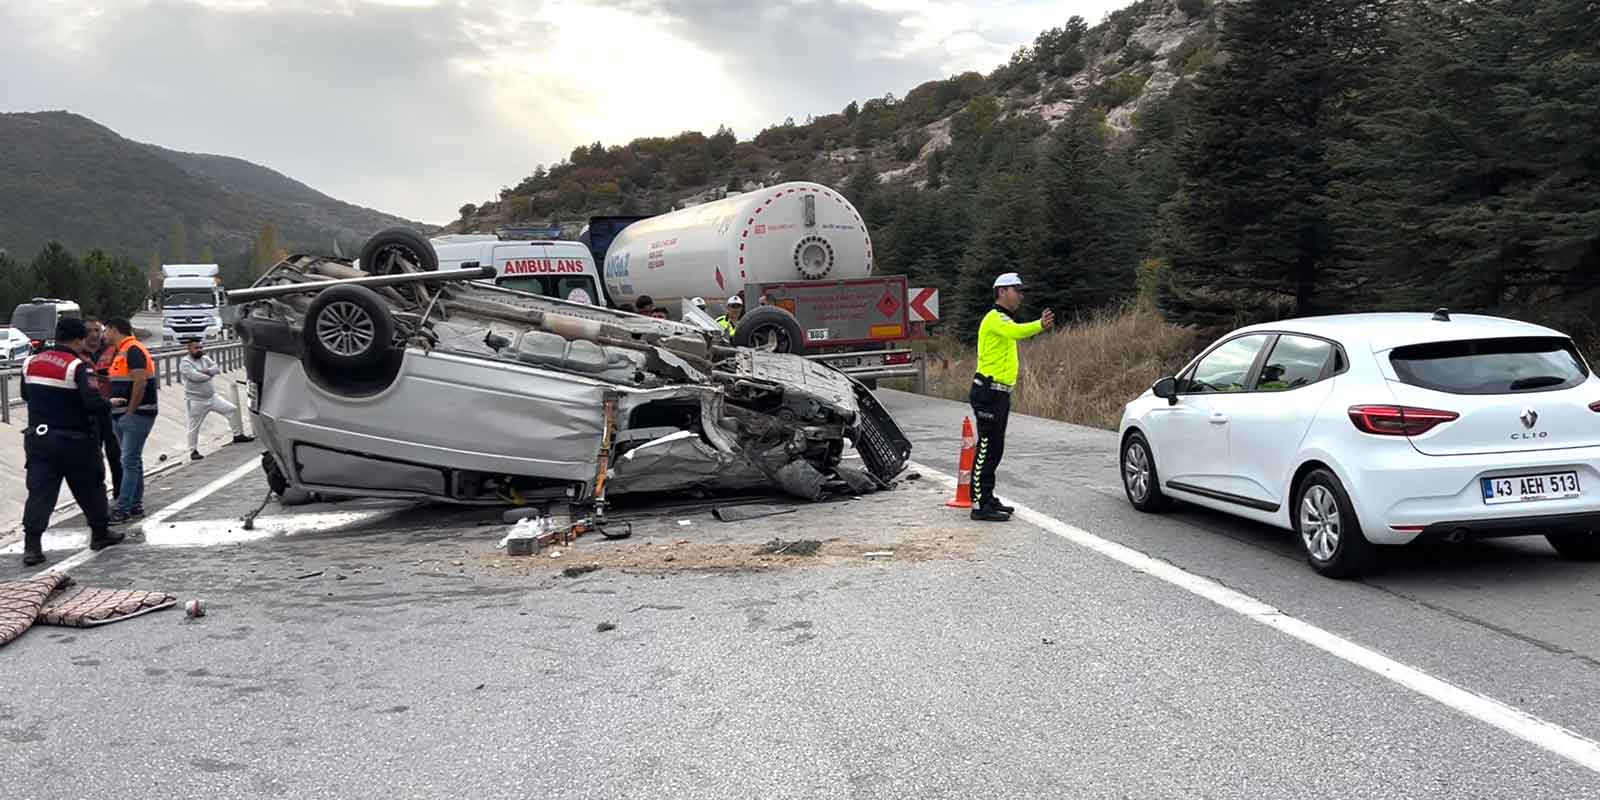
{"points": [[802, 245]]}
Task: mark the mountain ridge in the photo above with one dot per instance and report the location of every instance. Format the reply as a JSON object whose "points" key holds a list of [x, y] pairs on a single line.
{"points": [[67, 178]]}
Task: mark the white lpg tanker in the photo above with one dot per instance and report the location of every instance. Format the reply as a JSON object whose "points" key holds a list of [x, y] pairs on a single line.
{"points": [[790, 232], [802, 257]]}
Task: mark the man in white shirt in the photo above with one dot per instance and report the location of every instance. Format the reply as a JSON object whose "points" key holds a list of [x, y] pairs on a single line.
{"points": [[198, 372]]}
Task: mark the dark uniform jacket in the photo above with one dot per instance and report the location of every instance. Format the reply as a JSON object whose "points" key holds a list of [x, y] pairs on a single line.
{"points": [[61, 392]]}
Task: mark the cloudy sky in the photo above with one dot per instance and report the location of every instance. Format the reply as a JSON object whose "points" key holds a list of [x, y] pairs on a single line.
{"points": [[418, 106]]}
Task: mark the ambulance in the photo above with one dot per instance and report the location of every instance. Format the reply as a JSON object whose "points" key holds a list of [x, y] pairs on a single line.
{"points": [[554, 268]]}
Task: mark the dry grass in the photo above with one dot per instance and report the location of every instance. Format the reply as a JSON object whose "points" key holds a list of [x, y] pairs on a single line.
{"points": [[1083, 373]]}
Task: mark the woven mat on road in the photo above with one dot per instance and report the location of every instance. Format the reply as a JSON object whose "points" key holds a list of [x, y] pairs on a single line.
{"points": [[40, 600], [89, 607], [21, 601]]}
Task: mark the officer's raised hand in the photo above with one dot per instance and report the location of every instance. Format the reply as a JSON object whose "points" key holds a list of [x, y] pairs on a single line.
{"points": [[1049, 319]]}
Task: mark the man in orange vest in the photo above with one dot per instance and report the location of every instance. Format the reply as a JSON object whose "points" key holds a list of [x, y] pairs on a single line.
{"points": [[133, 409]]}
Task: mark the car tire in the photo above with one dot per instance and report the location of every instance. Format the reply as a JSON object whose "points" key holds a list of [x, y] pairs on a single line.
{"points": [[1582, 546], [1140, 480], [413, 246], [348, 328], [1326, 525], [275, 477], [770, 324]]}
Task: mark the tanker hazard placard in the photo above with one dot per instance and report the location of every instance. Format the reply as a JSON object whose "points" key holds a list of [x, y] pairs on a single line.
{"points": [[542, 266]]}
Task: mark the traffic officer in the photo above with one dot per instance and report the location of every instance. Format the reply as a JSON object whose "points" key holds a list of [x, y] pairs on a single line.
{"points": [[62, 440], [730, 320], [998, 335]]}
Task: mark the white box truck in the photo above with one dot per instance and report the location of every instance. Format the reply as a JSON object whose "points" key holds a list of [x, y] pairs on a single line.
{"points": [[191, 301]]}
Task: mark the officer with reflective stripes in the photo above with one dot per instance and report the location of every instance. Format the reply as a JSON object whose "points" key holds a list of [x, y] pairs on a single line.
{"points": [[730, 320], [62, 441], [998, 335]]}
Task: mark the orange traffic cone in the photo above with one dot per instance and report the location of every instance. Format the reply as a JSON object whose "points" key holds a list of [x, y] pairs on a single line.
{"points": [[969, 454]]}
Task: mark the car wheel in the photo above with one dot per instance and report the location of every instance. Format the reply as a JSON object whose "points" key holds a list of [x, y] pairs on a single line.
{"points": [[1329, 532], [1139, 478], [771, 328], [398, 241], [1584, 546], [348, 328]]}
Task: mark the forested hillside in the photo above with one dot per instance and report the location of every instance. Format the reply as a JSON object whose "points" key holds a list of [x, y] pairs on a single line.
{"points": [[1231, 161], [67, 179]]}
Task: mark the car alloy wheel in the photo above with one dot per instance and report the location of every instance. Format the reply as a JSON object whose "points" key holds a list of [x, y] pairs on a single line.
{"points": [[346, 328], [1320, 525], [1140, 480], [1136, 471]]}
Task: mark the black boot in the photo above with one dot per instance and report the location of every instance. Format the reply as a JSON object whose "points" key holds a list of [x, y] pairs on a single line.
{"points": [[990, 514], [1003, 508], [100, 540], [32, 552]]}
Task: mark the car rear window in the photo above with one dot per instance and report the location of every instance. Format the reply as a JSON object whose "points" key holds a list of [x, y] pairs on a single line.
{"points": [[1492, 366], [35, 319]]}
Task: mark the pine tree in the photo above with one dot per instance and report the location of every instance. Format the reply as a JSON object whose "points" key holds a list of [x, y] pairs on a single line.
{"points": [[1472, 182], [18, 284], [1253, 228], [1088, 249], [1005, 241], [58, 273]]}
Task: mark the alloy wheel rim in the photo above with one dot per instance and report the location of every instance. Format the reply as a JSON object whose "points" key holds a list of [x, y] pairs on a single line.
{"points": [[345, 328], [1320, 528], [1136, 473]]}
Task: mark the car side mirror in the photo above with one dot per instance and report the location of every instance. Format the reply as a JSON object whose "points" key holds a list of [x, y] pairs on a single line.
{"points": [[1166, 389]]}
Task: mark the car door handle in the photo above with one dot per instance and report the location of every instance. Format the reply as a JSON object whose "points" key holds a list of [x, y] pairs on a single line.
{"points": [[1219, 419]]}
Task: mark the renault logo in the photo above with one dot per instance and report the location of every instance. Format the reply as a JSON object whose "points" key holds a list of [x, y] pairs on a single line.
{"points": [[1530, 418]]}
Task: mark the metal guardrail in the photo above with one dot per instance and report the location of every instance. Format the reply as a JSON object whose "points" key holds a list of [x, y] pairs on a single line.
{"points": [[229, 357]]}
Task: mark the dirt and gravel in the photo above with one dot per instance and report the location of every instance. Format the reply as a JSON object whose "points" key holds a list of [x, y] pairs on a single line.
{"points": [[870, 530]]}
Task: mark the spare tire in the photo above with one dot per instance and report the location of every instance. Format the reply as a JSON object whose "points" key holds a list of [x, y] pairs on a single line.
{"points": [[397, 241], [348, 328], [770, 326]]}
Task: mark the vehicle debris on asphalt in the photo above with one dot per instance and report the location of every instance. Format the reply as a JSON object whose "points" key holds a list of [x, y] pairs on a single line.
{"points": [[799, 547]]}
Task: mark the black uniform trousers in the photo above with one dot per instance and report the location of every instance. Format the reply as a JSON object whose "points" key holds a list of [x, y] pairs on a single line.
{"points": [[992, 408], [55, 456], [108, 439]]}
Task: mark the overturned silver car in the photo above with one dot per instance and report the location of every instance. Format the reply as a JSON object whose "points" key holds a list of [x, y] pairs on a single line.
{"points": [[404, 381]]}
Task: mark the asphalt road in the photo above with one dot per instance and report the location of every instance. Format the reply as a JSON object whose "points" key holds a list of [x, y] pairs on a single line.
{"points": [[1032, 667]]}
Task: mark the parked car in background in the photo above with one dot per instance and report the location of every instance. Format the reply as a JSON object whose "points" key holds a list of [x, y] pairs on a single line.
{"points": [[1379, 429], [14, 346], [37, 319]]}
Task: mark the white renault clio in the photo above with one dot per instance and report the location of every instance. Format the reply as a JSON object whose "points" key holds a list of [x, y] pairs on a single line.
{"points": [[1379, 429]]}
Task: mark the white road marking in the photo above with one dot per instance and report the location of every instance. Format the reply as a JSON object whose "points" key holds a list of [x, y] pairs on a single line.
{"points": [[1542, 733], [157, 518], [70, 510], [211, 532]]}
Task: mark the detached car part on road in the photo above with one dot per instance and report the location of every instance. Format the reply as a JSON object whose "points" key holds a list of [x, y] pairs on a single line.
{"points": [[403, 381]]}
